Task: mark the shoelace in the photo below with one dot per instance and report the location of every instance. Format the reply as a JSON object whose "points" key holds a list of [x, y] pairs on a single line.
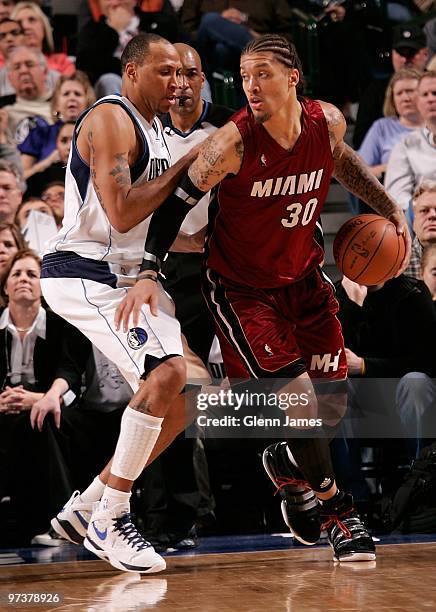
{"points": [[129, 532], [284, 482], [334, 519]]}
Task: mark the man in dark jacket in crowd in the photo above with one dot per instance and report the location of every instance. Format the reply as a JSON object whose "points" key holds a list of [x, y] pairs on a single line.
{"points": [[390, 333]]}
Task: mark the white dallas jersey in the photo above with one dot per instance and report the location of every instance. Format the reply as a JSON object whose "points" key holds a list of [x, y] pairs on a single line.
{"points": [[179, 143], [86, 229]]}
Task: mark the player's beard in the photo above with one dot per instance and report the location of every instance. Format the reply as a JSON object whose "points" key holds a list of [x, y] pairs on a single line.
{"points": [[262, 118]]}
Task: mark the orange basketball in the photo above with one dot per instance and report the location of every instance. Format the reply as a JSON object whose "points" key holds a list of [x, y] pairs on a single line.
{"points": [[368, 250]]}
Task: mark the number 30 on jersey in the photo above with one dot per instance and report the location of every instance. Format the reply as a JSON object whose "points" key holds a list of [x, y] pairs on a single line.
{"points": [[299, 214]]}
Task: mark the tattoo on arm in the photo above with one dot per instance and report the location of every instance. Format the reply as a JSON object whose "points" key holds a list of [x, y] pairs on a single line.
{"points": [[334, 119], [203, 168], [121, 171], [211, 162], [355, 176], [239, 148], [92, 168]]}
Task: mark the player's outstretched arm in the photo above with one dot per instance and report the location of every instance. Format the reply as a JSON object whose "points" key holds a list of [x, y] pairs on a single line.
{"points": [[219, 155], [108, 143], [352, 172]]}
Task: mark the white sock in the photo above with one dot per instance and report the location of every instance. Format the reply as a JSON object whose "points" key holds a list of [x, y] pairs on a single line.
{"points": [[112, 497], [138, 435], [94, 492]]}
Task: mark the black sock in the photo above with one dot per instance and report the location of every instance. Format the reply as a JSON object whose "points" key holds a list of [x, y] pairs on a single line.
{"points": [[313, 458]]}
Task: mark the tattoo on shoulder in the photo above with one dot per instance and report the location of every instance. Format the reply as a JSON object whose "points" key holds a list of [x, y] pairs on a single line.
{"points": [[334, 118], [92, 169], [121, 171]]}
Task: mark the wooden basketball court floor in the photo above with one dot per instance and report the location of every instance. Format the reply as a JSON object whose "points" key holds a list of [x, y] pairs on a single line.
{"points": [[237, 574]]}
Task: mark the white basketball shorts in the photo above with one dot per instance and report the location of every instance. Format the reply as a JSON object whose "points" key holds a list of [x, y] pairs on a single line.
{"points": [[87, 293]]}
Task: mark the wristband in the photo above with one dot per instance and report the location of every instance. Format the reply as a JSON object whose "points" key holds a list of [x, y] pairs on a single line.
{"points": [[146, 276], [150, 262], [362, 367]]}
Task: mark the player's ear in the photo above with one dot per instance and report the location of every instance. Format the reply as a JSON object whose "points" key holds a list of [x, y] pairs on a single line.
{"points": [[203, 79], [294, 77], [131, 71]]}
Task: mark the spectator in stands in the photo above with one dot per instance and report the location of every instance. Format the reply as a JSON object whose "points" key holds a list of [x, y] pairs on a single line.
{"points": [[29, 337], [27, 72], [401, 116], [428, 269], [27, 206], [11, 241], [11, 37], [70, 98], [8, 150], [53, 167], [10, 192], [6, 8], [413, 158], [38, 34], [221, 29], [424, 225], [54, 194], [100, 43], [389, 329], [409, 50], [389, 332]]}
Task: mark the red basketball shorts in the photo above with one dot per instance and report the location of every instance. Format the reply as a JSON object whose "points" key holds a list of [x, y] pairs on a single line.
{"points": [[279, 332]]}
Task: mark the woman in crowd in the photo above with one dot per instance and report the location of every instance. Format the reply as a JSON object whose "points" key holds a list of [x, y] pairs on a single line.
{"points": [[30, 336], [400, 117], [38, 33], [11, 241], [70, 98], [25, 208]]}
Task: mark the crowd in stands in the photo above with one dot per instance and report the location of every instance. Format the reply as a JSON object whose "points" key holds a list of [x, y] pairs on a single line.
{"points": [[376, 57]]}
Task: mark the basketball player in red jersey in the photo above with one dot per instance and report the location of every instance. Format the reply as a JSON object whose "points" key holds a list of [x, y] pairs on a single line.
{"points": [[274, 309]]}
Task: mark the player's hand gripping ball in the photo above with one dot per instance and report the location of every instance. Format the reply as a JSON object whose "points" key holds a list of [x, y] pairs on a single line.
{"points": [[368, 250]]}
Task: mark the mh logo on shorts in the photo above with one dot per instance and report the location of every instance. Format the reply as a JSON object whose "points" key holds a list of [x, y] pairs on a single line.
{"points": [[325, 362], [136, 337]]}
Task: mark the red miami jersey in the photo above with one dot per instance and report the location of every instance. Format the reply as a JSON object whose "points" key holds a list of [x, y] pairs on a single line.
{"points": [[263, 232]]}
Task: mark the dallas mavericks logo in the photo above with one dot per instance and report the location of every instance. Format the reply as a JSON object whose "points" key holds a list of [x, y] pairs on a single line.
{"points": [[136, 337]]}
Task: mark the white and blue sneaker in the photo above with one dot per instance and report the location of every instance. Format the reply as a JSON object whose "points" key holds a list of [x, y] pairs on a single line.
{"points": [[72, 521], [113, 537]]}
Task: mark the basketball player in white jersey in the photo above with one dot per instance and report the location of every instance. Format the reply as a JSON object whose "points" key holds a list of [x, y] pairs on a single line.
{"points": [[188, 122], [113, 183]]}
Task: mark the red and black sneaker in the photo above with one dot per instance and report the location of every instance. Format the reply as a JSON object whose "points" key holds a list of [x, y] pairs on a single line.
{"points": [[300, 506], [346, 533]]}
